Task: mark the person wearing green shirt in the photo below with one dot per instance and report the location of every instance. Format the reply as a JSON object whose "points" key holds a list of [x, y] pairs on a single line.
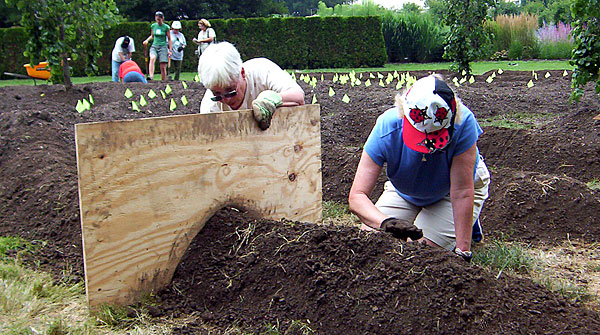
{"points": [[161, 45]]}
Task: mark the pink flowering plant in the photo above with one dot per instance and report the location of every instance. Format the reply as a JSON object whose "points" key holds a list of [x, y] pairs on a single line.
{"points": [[555, 41]]}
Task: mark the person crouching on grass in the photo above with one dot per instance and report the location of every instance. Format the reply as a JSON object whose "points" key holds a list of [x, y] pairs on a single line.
{"points": [[257, 84], [438, 181]]}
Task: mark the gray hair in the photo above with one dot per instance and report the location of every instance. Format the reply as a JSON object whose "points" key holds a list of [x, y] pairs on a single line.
{"points": [[219, 65]]}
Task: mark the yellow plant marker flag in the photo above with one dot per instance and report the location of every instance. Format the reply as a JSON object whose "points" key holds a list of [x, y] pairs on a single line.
{"points": [[184, 100], [360, 76], [168, 89], [196, 78], [184, 84], [379, 75], [163, 94], [455, 81], [313, 82], [79, 108], [371, 75], [368, 83], [314, 99], [489, 79], [128, 94], [493, 75], [530, 83], [390, 77], [151, 94], [464, 73], [547, 74], [471, 80], [331, 92], [91, 99], [86, 104], [41, 95], [462, 80], [381, 83], [399, 85], [500, 71], [352, 82], [322, 77], [395, 74], [565, 73], [357, 82], [134, 106], [173, 105], [143, 101], [534, 75], [346, 99], [293, 76]]}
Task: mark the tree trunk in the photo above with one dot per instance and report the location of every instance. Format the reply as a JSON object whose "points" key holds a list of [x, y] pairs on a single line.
{"points": [[65, 60]]}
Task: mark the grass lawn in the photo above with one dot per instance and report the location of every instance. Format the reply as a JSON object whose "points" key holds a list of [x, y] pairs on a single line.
{"points": [[478, 68]]}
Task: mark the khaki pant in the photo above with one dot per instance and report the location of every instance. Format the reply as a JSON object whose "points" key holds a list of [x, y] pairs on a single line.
{"points": [[435, 220]]}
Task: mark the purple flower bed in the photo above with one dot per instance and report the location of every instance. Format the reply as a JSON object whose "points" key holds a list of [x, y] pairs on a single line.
{"points": [[554, 33]]}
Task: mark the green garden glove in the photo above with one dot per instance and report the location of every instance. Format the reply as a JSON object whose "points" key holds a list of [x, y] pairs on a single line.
{"points": [[264, 106]]}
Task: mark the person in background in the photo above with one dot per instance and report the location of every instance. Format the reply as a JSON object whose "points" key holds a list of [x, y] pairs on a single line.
{"points": [[161, 45], [438, 181], [257, 84], [130, 72], [122, 51], [178, 42], [206, 36]]}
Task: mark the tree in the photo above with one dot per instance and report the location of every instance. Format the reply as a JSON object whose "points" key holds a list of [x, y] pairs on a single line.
{"points": [[467, 37], [586, 45], [58, 31]]}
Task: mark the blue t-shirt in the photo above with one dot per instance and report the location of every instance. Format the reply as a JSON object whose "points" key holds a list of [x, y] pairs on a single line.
{"points": [[419, 182]]}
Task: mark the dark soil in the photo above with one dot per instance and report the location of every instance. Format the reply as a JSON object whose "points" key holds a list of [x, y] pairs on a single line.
{"points": [[250, 272]]}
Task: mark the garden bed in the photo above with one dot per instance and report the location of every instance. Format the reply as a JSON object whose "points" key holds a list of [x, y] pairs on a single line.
{"points": [[542, 151]]}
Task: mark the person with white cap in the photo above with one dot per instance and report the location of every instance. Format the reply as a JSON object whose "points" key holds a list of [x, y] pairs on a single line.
{"points": [[178, 43], [437, 180]]}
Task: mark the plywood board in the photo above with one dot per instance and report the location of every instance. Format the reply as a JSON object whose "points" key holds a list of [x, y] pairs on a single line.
{"points": [[148, 186]]}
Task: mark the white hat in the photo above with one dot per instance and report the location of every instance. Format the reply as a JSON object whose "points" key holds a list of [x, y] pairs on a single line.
{"points": [[176, 25]]}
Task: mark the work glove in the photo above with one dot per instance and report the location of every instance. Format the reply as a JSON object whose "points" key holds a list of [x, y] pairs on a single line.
{"points": [[264, 106], [401, 229], [466, 255]]}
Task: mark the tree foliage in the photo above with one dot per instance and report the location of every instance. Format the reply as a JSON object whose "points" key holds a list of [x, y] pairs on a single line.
{"points": [[58, 31], [586, 45], [467, 37]]}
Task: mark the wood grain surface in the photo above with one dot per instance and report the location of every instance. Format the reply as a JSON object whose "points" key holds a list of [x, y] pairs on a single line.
{"points": [[148, 186]]}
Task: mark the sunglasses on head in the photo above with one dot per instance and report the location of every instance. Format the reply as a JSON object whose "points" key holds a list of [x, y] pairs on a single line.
{"points": [[226, 95]]}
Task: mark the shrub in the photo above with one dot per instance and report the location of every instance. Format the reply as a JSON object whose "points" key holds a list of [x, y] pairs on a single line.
{"points": [[412, 37], [555, 41], [515, 33]]}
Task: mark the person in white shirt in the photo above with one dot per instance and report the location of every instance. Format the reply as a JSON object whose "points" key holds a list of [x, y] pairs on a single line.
{"points": [[206, 36], [258, 84], [178, 43], [121, 53]]}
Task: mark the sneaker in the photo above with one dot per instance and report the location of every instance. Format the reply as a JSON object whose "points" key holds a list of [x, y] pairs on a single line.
{"points": [[477, 235], [148, 78]]}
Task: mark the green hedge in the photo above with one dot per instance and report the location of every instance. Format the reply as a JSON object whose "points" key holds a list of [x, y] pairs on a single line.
{"points": [[293, 43]]}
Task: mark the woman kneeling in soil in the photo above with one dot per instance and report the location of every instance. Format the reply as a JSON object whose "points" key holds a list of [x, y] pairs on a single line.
{"points": [[437, 179]]}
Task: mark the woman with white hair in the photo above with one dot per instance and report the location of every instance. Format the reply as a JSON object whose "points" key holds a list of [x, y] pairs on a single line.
{"points": [[437, 181], [257, 84], [206, 36]]}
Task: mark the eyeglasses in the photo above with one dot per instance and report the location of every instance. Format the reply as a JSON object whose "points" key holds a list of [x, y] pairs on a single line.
{"points": [[226, 95]]}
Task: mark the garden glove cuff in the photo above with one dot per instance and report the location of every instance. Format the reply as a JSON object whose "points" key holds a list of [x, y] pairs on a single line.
{"points": [[264, 106], [401, 229]]}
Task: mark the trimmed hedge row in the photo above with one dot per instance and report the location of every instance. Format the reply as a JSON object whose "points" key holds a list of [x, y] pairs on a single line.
{"points": [[297, 43]]}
